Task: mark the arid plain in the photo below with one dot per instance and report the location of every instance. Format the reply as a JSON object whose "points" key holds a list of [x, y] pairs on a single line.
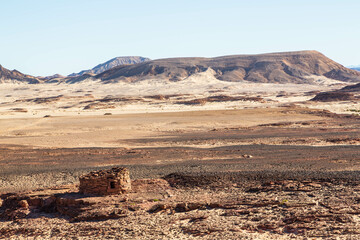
{"points": [[244, 159]]}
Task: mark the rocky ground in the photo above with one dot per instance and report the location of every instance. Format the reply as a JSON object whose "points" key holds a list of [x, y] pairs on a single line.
{"points": [[330, 143], [208, 206], [272, 173]]}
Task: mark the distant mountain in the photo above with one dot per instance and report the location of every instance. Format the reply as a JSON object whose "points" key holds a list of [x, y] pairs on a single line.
{"points": [[118, 61], [357, 68], [52, 77], [7, 75], [300, 67], [286, 67]]}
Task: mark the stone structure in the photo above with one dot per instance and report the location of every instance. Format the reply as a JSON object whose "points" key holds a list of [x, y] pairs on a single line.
{"points": [[106, 182]]}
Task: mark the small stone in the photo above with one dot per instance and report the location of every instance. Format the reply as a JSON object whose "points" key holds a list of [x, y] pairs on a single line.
{"points": [[24, 204], [315, 185]]}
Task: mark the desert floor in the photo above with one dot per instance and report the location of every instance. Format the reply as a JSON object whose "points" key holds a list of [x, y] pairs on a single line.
{"points": [[49, 139], [276, 138]]}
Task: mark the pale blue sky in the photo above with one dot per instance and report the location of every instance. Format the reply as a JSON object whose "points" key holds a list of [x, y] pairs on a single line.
{"points": [[43, 37]]}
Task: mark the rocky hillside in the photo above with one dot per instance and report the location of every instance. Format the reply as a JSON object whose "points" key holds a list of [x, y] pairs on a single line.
{"points": [[352, 88], [286, 67], [348, 93], [118, 61], [7, 75]]}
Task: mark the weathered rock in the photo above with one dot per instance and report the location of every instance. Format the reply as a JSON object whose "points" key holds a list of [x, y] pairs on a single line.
{"points": [[99, 214], [11, 214], [23, 204], [160, 207], [49, 204], [35, 202], [186, 207]]}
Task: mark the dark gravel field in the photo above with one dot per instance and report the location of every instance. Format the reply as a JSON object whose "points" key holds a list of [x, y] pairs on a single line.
{"points": [[253, 161]]}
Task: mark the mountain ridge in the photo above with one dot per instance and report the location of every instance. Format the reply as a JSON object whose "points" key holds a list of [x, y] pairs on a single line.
{"points": [[117, 61], [283, 67], [302, 67]]}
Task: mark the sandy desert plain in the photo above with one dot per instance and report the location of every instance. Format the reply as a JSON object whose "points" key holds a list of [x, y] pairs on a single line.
{"points": [[208, 159]]}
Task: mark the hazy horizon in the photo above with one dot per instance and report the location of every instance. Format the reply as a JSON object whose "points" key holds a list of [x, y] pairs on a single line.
{"points": [[46, 37]]}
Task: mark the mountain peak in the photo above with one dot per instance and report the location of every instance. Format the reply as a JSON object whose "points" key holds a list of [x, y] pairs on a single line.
{"points": [[114, 62]]}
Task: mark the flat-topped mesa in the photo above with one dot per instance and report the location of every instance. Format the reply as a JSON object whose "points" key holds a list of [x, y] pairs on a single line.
{"points": [[301, 67], [106, 182]]}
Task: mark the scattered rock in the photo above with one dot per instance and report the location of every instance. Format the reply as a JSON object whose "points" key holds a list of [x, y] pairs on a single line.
{"points": [[276, 209], [186, 207], [23, 204]]}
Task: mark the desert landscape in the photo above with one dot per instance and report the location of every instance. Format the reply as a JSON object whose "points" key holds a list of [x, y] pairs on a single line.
{"points": [[237, 147]]}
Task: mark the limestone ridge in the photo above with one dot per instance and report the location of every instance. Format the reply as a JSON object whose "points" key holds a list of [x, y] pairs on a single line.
{"points": [[118, 61], [7, 75], [286, 67]]}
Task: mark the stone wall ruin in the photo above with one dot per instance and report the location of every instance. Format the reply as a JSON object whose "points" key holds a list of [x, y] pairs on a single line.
{"points": [[106, 182]]}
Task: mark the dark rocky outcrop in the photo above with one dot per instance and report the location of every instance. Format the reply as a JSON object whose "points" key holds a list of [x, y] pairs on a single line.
{"points": [[347, 93], [333, 96], [352, 88]]}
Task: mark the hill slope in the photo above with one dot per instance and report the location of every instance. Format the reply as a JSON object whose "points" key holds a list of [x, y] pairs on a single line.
{"points": [[348, 93], [352, 88], [118, 61], [7, 75], [287, 67]]}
